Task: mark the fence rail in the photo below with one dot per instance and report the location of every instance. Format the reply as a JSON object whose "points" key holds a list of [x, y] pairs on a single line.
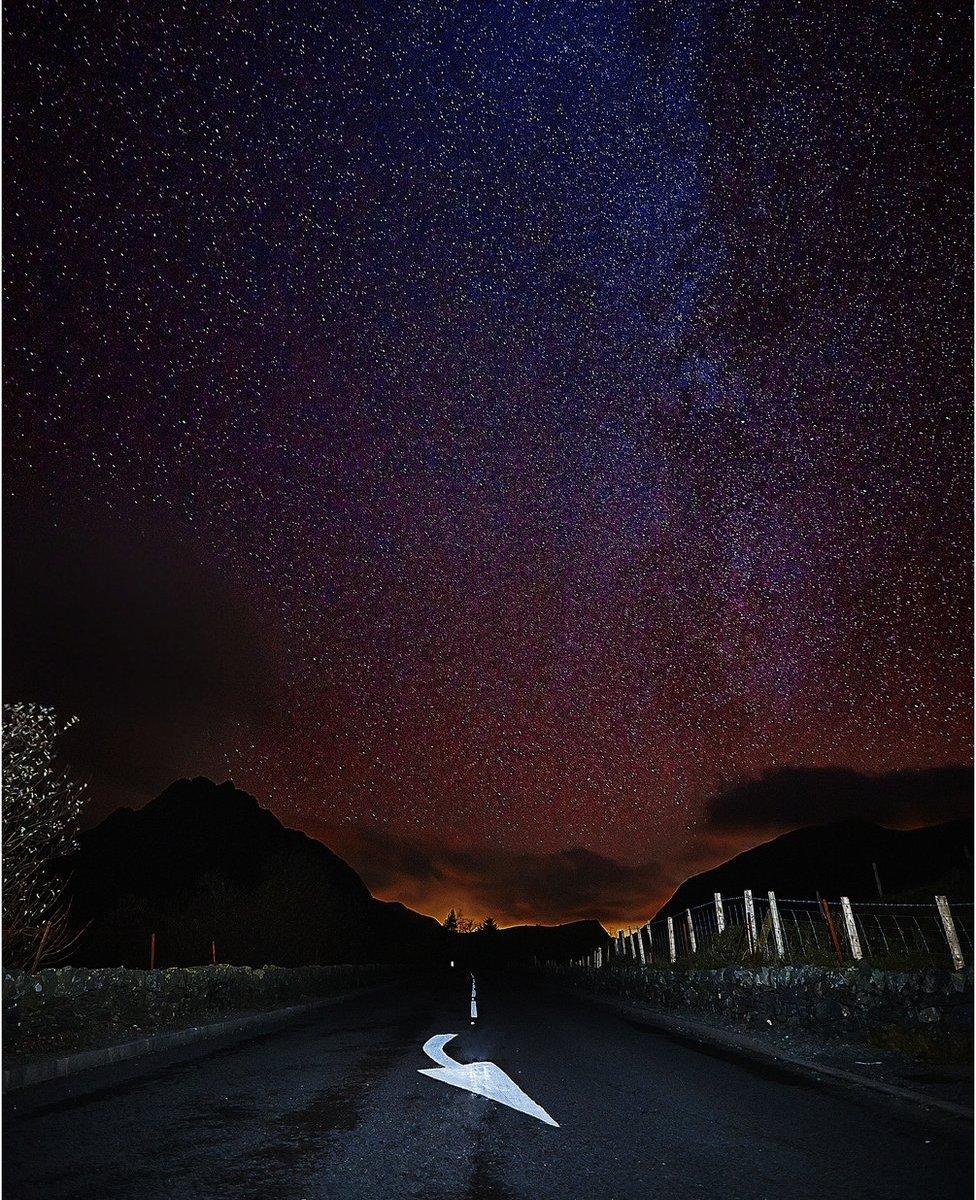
{"points": [[763, 928]]}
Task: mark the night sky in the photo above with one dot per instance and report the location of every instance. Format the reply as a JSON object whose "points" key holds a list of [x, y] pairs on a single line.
{"points": [[483, 431]]}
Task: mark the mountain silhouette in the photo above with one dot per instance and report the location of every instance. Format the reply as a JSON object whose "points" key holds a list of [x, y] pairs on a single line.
{"points": [[571, 940], [836, 860], [205, 863], [522, 943]]}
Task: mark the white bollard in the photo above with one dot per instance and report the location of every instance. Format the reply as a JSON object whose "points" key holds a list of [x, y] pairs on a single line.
{"points": [[691, 932], [719, 913], [853, 939], [751, 938], [952, 937], [777, 926], [671, 949]]}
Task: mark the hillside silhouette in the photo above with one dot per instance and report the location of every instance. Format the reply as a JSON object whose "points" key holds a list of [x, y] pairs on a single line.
{"points": [[204, 862], [836, 860]]}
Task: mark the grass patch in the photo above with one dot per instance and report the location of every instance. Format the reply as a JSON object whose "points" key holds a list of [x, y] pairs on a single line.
{"points": [[937, 1048]]}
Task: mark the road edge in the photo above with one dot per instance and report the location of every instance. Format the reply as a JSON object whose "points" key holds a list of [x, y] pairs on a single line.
{"points": [[743, 1044], [209, 1035]]}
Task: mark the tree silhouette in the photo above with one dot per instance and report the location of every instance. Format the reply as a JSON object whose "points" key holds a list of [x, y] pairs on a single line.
{"points": [[457, 922], [488, 925]]}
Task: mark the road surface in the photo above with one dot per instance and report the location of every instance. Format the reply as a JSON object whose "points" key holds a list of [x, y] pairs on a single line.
{"points": [[338, 1108]]}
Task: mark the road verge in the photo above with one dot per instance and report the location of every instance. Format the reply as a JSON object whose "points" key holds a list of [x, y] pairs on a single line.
{"points": [[735, 1042], [205, 1036]]}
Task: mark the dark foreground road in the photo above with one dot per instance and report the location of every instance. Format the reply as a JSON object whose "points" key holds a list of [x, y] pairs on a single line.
{"points": [[336, 1109]]}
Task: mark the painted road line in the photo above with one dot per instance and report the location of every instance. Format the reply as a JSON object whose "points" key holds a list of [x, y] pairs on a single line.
{"points": [[482, 1078], [474, 1002]]}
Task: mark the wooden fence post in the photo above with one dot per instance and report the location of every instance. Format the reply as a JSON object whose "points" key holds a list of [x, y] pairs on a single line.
{"points": [[692, 943], [40, 948], [750, 921], [952, 937], [671, 948], [639, 935], [213, 953], [777, 926], [852, 938], [832, 930], [650, 942], [152, 952], [719, 913]]}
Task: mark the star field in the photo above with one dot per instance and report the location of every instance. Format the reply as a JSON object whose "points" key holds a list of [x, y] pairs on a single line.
{"points": [[574, 397]]}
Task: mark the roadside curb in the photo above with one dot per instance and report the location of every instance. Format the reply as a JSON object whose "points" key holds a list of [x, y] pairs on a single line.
{"points": [[687, 1027], [211, 1035]]}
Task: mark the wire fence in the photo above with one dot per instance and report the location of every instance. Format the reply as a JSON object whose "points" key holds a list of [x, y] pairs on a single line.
{"points": [[756, 929]]}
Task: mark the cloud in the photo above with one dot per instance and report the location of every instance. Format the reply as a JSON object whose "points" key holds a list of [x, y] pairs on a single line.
{"points": [[514, 887], [795, 796], [579, 884]]}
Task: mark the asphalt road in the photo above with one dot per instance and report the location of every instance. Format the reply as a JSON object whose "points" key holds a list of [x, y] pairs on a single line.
{"points": [[337, 1109]]}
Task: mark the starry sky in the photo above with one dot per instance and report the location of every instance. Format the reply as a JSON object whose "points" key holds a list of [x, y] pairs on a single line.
{"points": [[484, 431]]}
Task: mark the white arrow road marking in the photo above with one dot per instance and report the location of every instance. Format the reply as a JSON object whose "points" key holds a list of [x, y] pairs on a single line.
{"points": [[481, 1078]]}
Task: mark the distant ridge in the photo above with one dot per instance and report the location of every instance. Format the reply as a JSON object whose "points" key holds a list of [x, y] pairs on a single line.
{"points": [[836, 859]]}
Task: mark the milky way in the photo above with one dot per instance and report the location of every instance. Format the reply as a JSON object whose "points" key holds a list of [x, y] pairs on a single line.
{"points": [[569, 401]]}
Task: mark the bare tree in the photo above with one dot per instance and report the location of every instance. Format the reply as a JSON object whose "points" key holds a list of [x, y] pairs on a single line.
{"points": [[41, 806]]}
